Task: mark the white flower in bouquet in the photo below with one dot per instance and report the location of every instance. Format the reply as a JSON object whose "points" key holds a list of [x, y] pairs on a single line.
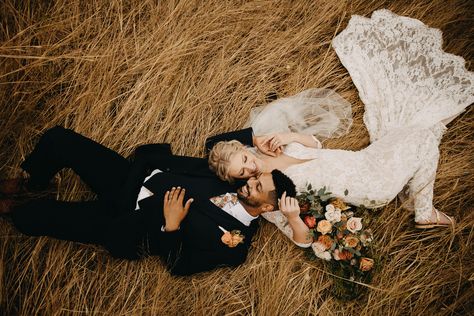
{"points": [[324, 255], [318, 247], [330, 208], [320, 251], [333, 215]]}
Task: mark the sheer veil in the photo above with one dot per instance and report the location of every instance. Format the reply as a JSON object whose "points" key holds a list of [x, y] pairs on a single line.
{"points": [[319, 112]]}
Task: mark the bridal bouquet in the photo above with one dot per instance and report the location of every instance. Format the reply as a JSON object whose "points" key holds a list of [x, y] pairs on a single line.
{"points": [[339, 238]]}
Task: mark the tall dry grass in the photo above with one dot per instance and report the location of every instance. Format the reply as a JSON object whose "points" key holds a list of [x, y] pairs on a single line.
{"points": [[131, 72]]}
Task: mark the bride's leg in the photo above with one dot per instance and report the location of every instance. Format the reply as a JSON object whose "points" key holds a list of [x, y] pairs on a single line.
{"points": [[421, 190]]}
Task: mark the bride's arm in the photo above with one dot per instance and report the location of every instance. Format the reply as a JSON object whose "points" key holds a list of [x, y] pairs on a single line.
{"points": [[290, 208], [275, 141], [300, 231], [281, 222]]}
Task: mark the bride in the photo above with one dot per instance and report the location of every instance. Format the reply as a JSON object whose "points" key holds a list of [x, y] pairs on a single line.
{"points": [[410, 88]]}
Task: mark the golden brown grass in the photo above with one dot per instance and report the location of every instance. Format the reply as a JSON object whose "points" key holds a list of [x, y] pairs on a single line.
{"points": [[132, 72]]}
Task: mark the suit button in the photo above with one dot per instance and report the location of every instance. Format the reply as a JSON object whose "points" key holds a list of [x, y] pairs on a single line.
{"points": [[167, 169]]}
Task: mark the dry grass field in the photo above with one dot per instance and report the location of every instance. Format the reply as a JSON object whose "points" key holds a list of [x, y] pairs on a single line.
{"points": [[131, 72]]}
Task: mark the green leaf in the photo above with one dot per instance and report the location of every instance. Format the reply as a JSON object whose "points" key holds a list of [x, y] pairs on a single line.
{"points": [[324, 198], [351, 250], [321, 191]]}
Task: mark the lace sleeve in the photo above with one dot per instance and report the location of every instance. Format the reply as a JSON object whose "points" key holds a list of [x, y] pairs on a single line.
{"points": [[280, 221]]}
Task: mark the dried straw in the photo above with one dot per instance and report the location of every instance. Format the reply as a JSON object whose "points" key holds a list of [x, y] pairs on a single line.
{"points": [[131, 72]]}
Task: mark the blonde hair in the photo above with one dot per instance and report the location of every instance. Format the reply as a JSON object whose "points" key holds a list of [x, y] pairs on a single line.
{"points": [[220, 155]]}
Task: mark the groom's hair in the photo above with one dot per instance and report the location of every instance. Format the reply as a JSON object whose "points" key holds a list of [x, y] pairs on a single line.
{"points": [[282, 183]]}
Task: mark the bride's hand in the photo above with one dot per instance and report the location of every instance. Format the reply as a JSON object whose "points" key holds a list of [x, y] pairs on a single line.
{"points": [[289, 206], [262, 143], [276, 141]]}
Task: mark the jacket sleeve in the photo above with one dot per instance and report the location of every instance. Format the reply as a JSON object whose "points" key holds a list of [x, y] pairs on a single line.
{"points": [[141, 165], [244, 136]]}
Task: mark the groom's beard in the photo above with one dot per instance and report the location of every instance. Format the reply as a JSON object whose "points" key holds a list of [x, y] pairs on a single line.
{"points": [[246, 199]]}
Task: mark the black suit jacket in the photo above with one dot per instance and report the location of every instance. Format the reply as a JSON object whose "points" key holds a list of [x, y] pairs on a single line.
{"points": [[197, 245]]}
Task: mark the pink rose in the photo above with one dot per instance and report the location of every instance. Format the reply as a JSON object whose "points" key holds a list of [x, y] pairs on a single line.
{"points": [[354, 224]]}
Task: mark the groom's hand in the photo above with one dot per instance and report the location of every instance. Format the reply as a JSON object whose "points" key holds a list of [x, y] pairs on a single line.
{"points": [[173, 209]]}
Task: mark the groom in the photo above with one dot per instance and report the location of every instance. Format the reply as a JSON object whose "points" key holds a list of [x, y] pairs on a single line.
{"points": [[139, 213]]}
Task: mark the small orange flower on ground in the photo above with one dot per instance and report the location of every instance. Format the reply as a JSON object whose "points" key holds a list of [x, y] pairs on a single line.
{"points": [[366, 264]]}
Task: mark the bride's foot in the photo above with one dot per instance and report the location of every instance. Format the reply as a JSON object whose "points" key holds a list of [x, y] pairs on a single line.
{"points": [[437, 219]]}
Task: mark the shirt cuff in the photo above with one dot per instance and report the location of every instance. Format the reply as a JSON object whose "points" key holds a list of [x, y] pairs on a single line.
{"points": [[163, 229]]}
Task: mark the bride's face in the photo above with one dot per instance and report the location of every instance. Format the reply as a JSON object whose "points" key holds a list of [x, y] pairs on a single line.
{"points": [[244, 164]]}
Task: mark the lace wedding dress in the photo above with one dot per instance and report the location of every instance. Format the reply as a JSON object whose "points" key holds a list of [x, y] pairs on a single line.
{"points": [[411, 88]]}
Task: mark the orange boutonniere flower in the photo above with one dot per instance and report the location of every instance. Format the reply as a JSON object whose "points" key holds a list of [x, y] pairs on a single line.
{"points": [[232, 238]]}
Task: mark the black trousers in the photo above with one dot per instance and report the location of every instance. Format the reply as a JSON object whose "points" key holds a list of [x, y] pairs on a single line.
{"points": [[102, 169]]}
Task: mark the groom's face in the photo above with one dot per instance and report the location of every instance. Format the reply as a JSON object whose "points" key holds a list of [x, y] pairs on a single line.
{"points": [[256, 192]]}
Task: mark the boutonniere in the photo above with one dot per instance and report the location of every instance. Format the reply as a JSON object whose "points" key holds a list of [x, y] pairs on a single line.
{"points": [[232, 238]]}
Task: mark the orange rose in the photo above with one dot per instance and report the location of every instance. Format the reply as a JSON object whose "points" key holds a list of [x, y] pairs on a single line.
{"points": [[324, 227], [351, 241], [310, 221], [345, 255], [342, 255], [232, 239], [326, 241], [338, 203], [366, 264], [227, 238], [237, 239]]}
